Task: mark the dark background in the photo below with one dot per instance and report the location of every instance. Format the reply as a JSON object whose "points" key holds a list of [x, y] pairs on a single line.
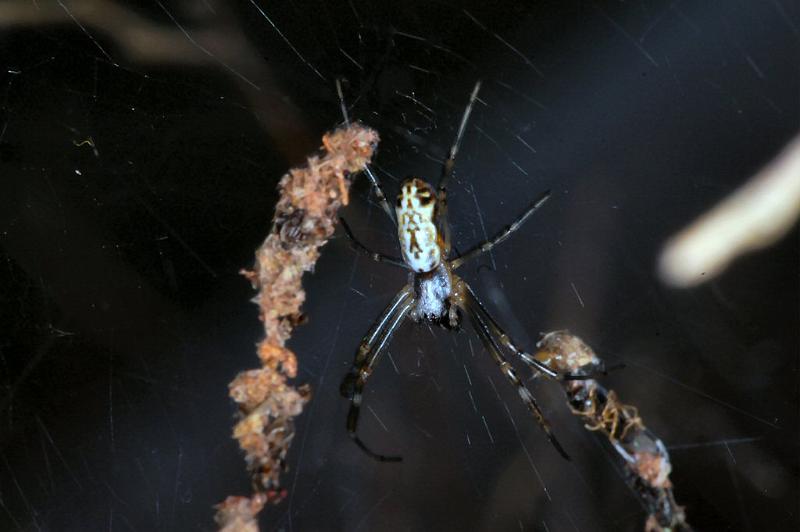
{"points": [[123, 318]]}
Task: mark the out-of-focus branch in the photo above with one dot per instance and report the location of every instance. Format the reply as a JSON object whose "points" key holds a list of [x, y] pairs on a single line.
{"points": [[215, 41], [753, 217], [141, 39], [305, 218], [644, 456]]}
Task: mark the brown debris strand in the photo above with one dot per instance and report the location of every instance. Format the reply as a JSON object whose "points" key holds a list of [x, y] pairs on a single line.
{"points": [[644, 456], [305, 218]]}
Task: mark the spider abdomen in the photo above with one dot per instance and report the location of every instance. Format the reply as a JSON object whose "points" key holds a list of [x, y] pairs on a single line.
{"points": [[416, 229]]}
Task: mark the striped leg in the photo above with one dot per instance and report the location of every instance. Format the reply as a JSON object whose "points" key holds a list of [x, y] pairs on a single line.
{"points": [[501, 336], [364, 250], [502, 235], [372, 344], [483, 330], [447, 171], [376, 185]]}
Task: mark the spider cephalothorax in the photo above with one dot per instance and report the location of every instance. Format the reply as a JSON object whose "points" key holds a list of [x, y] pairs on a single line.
{"points": [[434, 293]]}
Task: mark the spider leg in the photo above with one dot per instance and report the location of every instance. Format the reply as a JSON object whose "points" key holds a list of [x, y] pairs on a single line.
{"points": [[490, 343], [364, 250], [502, 235], [341, 101], [372, 344], [473, 303], [447, 171], [376, 186]]}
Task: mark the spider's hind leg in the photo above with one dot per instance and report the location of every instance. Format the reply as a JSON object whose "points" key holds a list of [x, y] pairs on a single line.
{"points": [[473, 303], [372, 344], [483, 330]]}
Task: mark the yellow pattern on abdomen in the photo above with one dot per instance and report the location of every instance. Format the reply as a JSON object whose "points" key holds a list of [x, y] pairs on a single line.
{"points": [[416, 229]]}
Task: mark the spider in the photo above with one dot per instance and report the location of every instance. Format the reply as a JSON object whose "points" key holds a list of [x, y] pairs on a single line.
{"points": [[434, 293]]}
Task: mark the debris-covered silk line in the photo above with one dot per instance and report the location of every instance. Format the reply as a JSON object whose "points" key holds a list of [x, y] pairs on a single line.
{"points": [[644, 455], [305, 218]]}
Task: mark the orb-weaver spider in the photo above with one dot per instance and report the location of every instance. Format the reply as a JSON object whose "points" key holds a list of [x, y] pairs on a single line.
{"points": [[434, 293]]}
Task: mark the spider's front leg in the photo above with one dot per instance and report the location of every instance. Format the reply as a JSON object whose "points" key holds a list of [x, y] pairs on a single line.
{"points": [[376, 185], [372, 344], [447, 172], [487, 246], [364, 250]]}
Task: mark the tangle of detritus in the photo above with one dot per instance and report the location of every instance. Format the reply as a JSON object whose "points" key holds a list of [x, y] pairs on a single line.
{"points": [[644, 455], [304, 220]]}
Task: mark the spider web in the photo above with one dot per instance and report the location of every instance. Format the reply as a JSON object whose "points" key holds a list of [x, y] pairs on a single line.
{"points": [[141, 149]]}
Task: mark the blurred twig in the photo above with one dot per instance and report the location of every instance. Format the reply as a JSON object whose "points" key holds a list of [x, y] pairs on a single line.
{"points": [[644, 455], [753, 217], [142, 40], [304, 220], [185, 34]]}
